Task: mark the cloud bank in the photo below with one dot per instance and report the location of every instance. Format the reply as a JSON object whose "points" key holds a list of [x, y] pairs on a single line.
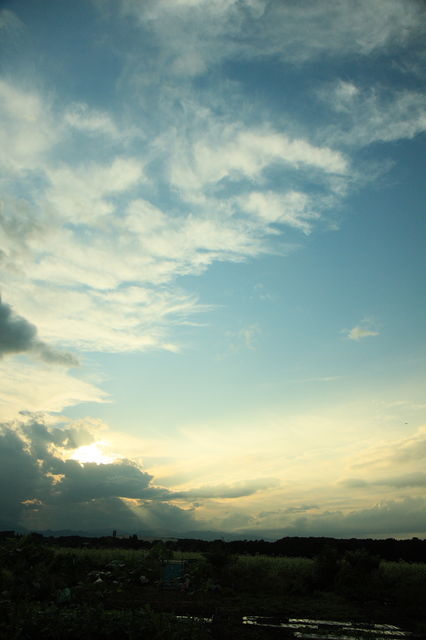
{"points": [[54, 492]]}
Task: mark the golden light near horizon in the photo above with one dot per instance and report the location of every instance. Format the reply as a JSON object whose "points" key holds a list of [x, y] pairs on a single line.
{"points": [[211, 268], [93, 453]]}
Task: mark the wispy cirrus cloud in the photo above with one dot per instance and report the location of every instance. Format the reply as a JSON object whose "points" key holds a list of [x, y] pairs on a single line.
{"points": [[195, 37], [373, 114], [78, 220], [234, 153], [36, 387], [93, 121], [28, 129]]}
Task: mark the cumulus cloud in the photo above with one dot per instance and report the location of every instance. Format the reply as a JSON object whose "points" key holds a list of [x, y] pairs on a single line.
{"points": [[17, 335], [52, 491], [13, 456], [56, 491], [91, 481]]}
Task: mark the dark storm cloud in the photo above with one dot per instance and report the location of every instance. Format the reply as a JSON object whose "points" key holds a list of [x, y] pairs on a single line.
{"points": [[17, 335], [401, 517], [92, 481], [41, 490], [40, 439], [19, 476], [223, 491], [89, 515], [394, 516], [415, 479]]}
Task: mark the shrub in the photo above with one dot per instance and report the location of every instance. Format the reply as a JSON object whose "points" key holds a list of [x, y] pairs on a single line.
{"points": [[358, 575], [326, 568]]}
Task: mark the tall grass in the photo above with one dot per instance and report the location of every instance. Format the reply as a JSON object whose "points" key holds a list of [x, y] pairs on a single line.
{"points": [[278, 574], [101, 557], [404, 585]]}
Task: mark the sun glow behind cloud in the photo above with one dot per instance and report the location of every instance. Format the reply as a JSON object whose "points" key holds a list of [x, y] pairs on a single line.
{"points": [[94, 453]]}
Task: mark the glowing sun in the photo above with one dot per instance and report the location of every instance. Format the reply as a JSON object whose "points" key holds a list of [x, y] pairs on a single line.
{"points": [[92, 453]]}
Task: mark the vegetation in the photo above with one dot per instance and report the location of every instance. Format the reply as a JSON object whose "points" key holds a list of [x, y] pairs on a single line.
{"points": [[66, 593]]}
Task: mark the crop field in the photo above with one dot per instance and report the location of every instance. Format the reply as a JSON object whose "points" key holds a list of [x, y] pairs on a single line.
{"points": [[93, 593]]}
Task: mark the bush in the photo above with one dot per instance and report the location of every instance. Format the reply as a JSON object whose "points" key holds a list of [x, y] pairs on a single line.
{"points": [[327, 566], [358, 575]]}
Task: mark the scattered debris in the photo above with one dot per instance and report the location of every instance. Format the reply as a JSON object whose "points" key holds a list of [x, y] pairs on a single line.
{"points": [[308, 629]]}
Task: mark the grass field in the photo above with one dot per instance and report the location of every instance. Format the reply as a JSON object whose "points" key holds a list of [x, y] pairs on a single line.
{"points": [[118, 593]]}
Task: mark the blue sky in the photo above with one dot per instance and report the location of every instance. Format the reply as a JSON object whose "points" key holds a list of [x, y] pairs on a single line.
{"points": [[212, 247]]}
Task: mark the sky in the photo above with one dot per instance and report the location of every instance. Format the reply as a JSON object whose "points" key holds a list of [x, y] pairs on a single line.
{"points": [[212, 263]]}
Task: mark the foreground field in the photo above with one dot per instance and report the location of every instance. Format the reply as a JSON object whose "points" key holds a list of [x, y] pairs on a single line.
{"points": [[114, 593]]}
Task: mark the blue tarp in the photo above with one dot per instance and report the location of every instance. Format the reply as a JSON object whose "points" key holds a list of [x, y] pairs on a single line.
{"points": [[173, 573]]}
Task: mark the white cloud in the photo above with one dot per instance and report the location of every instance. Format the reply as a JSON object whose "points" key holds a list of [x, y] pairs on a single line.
{"points": [[293, 208], [335, 28], [79, 194], [360, 332], [27, 130], [31, 387], [89, 228], [342, 95], [80, 116], [365, 329], [404, 454], [235, 154], [128, 319], [193, 37], [373, 114]]}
